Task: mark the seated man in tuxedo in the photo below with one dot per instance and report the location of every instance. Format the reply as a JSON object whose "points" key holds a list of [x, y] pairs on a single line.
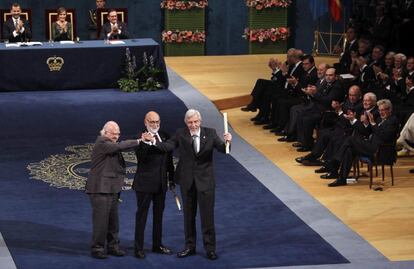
{"points": [[16, 29], [381, 131], [114, 29], [92, 19], [154, 168]]}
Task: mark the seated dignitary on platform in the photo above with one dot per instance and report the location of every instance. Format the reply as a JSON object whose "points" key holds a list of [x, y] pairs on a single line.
{"points": [[61, 29], [93, 20], [381, 131], [195, 176], [154, 168], [16, 29], [114, 29], [103, 186]]}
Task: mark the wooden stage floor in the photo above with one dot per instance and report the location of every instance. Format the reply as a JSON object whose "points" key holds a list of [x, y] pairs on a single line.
{"points": [[384, 218]]}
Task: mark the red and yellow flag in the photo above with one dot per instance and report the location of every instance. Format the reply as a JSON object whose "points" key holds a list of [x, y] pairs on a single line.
{"points": [[335, 7]]}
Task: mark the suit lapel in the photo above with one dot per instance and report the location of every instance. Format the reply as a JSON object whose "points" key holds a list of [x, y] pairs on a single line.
{"points": [[202, 139]]}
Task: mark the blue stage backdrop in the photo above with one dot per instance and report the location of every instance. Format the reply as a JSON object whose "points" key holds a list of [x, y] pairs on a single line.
{"points": [[225, 21]]}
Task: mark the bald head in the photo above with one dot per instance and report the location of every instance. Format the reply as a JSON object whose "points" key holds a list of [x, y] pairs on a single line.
{"points": [[152, 121]]}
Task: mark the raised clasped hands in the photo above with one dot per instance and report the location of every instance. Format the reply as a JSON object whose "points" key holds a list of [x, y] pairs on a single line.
{"points": [[147, 137]]}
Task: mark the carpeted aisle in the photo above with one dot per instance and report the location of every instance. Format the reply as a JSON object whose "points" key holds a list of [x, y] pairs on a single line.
{"points": [[47, 227]]}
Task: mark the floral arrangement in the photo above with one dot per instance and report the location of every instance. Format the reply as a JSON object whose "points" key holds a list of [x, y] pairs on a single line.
{"points": [[178, 36], [261, 35], [260, 4], [183, 5], [146, 78]]}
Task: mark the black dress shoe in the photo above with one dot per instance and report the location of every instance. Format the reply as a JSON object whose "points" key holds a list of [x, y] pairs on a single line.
{"points": [[255, 118], [329, 175], [116, 252], [321, 170], [297, 145], [162, 250], [303, 149], [281, 133], [248, 108], [337, 183], [311, 162], [282, 139], [99, 255], [186, 252], [140, 254], [211, 255], [261, 122], [269, 126], [411, 171], [300, 159]]}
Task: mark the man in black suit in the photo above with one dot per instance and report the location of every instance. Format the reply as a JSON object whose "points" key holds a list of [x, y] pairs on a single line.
{"points": [[381, 131], [103, 186], [16, 29], [114, 29], [154, 168], [195, 175], [92, 19]]}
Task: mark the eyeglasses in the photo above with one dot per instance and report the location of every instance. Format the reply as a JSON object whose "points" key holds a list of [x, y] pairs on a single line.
{"points": [[112, 133], [154, 122]]}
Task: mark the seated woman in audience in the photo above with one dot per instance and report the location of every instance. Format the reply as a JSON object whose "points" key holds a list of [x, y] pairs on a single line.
{"points": [[61, 29]]}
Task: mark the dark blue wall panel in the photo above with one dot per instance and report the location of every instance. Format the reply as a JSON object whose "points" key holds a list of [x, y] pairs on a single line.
{"points": [[225, 21]]}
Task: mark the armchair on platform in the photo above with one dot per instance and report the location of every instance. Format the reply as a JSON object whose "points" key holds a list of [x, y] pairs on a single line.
{"points": [[386, 155], [102, 17], [51, 16], [5, 14]]}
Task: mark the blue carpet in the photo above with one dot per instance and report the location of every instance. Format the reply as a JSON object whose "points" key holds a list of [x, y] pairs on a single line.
{"points": [[46, 227]]}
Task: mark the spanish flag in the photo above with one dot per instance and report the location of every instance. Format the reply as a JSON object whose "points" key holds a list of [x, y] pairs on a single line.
{"points": [[335, 6]]}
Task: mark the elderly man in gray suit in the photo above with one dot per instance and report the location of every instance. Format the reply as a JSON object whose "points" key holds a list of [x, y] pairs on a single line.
{"points": [[195, 176], [104, 185]]}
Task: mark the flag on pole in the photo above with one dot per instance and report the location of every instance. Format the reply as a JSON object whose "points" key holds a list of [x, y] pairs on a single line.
{"points": [[335, 7], [318, 8]]}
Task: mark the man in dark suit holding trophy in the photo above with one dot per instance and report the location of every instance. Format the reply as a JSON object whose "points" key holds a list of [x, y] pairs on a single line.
{"points": [[154, 168], [195, 176]]}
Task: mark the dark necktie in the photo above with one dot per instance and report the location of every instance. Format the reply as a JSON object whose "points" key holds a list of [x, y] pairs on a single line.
{"points": [[195, 143]]}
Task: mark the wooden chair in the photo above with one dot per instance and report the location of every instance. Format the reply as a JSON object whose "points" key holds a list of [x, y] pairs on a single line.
{"points": [[102, 17], [386, 155], [51, 16], [5, 14]]}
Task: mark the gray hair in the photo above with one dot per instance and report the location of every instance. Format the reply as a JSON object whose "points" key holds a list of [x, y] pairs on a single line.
{"points": [[190, 113], [371, 96], [107, 126], [385, 102]]}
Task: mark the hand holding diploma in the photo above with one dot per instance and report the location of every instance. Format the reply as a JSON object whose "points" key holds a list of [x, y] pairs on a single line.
{"points": [[227, 136]]}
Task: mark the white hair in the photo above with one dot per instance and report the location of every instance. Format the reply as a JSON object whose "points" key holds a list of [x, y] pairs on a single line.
{"points": [[371, 96], [190, 113], [107, 126]]}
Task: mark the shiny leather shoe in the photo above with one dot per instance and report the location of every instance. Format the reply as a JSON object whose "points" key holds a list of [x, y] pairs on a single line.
{"points": [[303, 149], [211, 255], [280, 133], [116, 252], [140, 254], [329, 175], [311, 162], [162, 250], [337, 183], [297, 145], [248, 108], [186, 252], [99, 255], [321, 170], [269, 127], [300, 159], [256, 118]]}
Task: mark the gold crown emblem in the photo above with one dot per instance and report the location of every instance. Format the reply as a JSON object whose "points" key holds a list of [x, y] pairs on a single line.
{"points": [[55, 63]]}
